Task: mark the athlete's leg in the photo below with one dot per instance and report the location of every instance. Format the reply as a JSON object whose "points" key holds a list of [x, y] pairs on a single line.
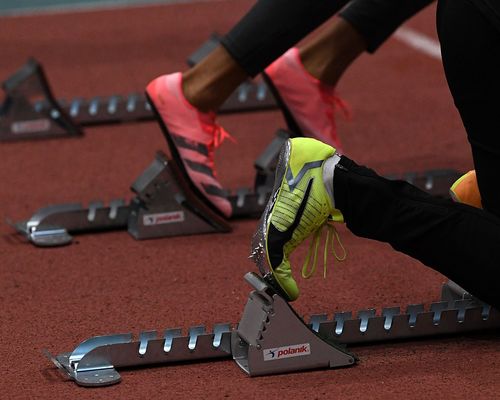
{"points": [[271, 27], [455, 239], [305, 79], [327, 55], [261, 36], [210, 82], [471, 57], [313, 182], [376, 20], [363, 25]]}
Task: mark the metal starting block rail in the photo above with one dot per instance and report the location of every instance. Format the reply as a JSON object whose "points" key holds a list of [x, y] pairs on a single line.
{"points": [[164, 205], [30, 110], [271, 338]]}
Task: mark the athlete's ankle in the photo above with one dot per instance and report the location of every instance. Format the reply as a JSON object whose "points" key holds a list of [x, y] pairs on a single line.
{"points": [[210, 82], [197, 93]]}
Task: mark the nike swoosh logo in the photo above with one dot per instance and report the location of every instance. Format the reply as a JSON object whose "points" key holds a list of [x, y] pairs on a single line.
{"points": [[276, 239], [294, 181]]}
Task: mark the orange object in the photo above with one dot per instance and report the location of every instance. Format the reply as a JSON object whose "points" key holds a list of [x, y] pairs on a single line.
{"points": [[465, 190]]}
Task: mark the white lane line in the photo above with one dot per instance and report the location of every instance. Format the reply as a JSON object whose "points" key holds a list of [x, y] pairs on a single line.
{"points": [[419, 42], [93, 6]]}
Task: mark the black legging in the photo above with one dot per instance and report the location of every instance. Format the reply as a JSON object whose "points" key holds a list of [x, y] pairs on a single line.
{"points": [[457, 240], [470, 46], [271, 27]]}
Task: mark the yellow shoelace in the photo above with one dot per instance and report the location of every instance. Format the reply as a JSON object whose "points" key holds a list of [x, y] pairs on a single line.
{"points": [[331, 235]]}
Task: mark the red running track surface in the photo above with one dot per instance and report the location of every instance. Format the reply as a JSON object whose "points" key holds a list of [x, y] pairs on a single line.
{"points": [[108, 283]]}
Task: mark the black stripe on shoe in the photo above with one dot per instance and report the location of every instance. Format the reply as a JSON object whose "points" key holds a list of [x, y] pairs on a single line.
{"points": [[184, 143], [202, 168], [276, 239], [215, 191]]}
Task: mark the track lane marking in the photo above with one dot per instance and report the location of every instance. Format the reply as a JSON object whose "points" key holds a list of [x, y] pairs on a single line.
{"points": [[92, 6], [420, 42]]}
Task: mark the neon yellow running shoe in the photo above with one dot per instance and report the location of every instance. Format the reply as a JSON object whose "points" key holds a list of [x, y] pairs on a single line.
{"points": [[299, 206]]}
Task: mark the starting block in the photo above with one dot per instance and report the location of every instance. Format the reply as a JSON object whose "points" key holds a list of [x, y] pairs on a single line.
{"points": [[271, 338], [165, 205], [22, 115], [30, 110]]}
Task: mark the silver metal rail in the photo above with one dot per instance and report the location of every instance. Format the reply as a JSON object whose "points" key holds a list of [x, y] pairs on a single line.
{"points": [[271, 338]]}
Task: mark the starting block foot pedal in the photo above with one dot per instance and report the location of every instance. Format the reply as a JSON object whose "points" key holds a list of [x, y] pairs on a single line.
{"points": [[30, 111], [272, 339], [164, 206]]}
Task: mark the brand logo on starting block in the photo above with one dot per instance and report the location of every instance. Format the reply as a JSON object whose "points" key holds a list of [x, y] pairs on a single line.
{"points": [[31, 126], [294, 350], [163, 218]]}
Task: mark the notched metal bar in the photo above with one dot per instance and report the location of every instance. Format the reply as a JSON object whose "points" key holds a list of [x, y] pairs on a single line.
{"points": [[442, 318], [170, 335], [52, 225], [365, 316], [144, 338], [389, 313], [94, 361], [316, 319], [194, 332], [271, 338], [340, 319], [413, 311]]}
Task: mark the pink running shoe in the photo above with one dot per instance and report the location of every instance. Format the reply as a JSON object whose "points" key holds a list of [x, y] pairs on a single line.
{"points": [[192, 137], [309, 105]]}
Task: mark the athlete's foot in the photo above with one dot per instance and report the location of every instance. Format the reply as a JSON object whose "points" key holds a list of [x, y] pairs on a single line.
{"points": [[301, 204], [311, 103], [192, 137]]}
